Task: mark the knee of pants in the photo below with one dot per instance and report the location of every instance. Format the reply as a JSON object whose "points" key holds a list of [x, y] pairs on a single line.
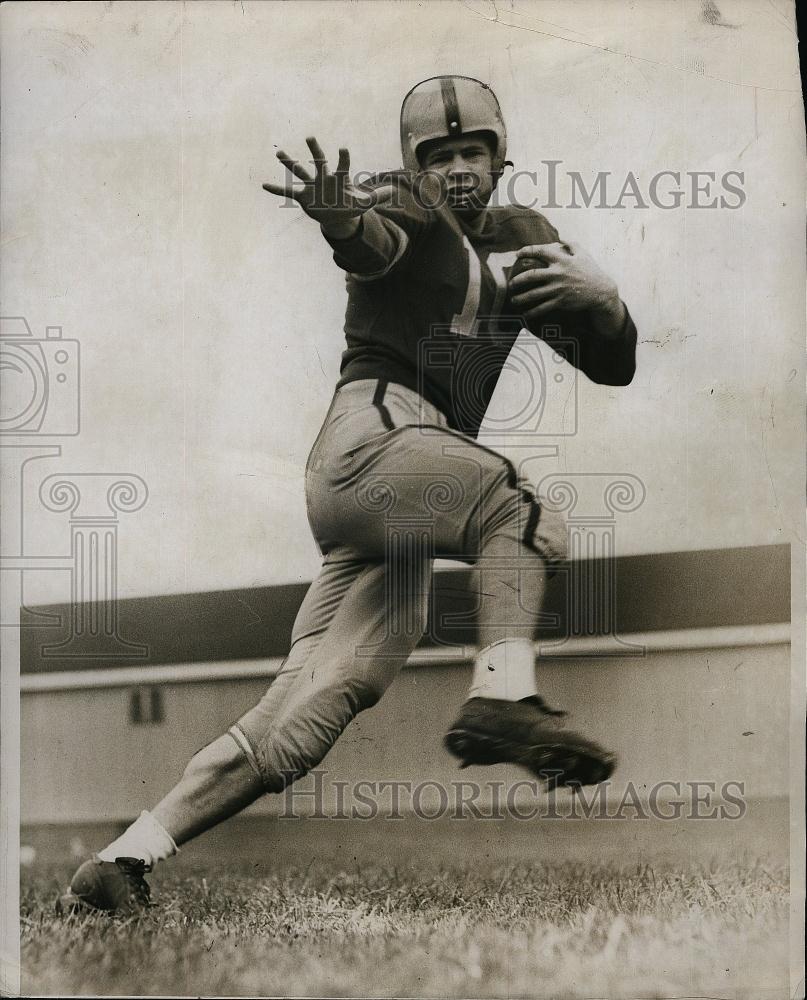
{"points": [[364, 692], [299, 740], [519, 515], [342, 698]]}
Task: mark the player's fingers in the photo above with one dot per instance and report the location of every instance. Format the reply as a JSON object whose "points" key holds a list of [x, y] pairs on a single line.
{"points": [[532, 263], [294, 167], [536, 296], [377, 196], [283, 190], [544, 251], [550, 306], [343, 165], [320, 161], [536, 277]]}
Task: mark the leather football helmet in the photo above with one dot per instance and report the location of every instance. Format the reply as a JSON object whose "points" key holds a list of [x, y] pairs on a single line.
{"points": [[448, 106]]}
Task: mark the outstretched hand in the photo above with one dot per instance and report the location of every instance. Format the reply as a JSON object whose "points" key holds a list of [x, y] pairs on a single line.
{"points": [[327, 197]]}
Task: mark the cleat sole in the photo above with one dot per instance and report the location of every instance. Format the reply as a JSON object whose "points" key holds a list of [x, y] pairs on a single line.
{"points": [[569, 763]]}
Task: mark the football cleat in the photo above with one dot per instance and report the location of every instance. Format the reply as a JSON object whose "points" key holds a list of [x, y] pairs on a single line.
{"points": [[110, 886], [527, 732]]}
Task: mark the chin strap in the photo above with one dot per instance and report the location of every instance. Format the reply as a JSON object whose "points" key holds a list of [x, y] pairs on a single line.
{"points": [[496, 175]]}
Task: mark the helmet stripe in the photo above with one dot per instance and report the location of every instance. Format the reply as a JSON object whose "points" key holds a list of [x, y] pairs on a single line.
{"points": [[451, 106]]}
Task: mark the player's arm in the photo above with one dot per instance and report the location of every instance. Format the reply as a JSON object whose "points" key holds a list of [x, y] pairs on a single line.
{"points": [[365, 241], [562, 280]]}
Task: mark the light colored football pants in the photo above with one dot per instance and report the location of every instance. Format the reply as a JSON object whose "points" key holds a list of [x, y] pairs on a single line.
{"points": [[389, 487]]}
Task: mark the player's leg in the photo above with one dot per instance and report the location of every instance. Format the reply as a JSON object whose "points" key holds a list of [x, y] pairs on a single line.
{"points": [[219, 780], [518, 546], [373, 613], [372, 591], [504, 718], [378, 623], [223, 778], [472, 503]]}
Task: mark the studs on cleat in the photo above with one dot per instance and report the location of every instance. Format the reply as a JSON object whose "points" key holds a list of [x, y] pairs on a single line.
{"points": [[492, 731]]}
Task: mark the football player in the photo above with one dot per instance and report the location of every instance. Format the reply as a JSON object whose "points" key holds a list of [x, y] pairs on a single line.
{"points": [[439, 284]]}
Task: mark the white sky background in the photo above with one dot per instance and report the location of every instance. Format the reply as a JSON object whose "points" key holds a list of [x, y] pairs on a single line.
{"points": [[135, 141]]}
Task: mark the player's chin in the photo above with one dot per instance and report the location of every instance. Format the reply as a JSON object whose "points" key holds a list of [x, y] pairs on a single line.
{"points": [[465, 206]]}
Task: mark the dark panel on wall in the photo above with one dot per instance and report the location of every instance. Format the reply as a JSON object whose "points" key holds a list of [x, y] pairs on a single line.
{"points": [[741, 586]]}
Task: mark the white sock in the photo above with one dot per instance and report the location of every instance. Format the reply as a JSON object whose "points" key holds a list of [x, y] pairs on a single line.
{"points": [[505, 670], [145, 839]]}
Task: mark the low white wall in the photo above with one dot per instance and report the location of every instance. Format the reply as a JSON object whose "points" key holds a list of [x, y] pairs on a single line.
{"points": [[708, 714]]}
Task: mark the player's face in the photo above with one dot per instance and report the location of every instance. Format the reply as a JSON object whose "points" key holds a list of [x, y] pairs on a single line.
{"points": [[465, 163]]}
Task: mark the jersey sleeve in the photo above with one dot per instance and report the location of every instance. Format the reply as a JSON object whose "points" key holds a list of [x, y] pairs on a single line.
{"points": [[386, 233], [605, 360]]}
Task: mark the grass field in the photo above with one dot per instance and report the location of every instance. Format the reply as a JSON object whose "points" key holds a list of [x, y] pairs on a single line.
{"points": [[552, 930]]}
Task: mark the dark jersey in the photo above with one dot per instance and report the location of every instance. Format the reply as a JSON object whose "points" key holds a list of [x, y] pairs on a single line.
{"points": [[428, 305]]}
